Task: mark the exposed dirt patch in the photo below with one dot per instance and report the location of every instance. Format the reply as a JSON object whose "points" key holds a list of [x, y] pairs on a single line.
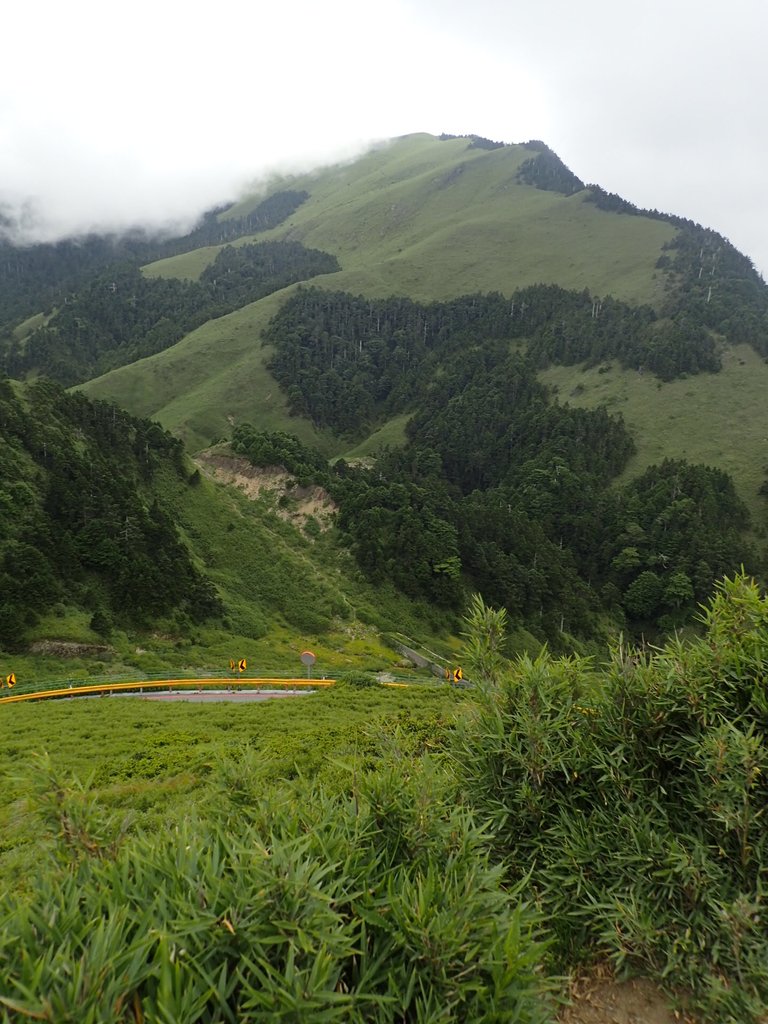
{"points": [[637, 1001], [294, 504], [68, 649]]}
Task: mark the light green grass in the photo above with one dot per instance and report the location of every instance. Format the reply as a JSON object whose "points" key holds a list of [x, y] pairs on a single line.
{"points": [[715, 419], [433, 220], [155, 760], [32, 323], [187, 266], [212, 380], [391, 435]]}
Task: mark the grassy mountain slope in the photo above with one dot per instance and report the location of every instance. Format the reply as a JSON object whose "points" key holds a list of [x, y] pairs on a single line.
{"points": [[710, 418], [420, 217], [214, 377], [434, 219]]}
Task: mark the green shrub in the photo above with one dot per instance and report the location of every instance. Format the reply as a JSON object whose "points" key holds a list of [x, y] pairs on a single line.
{"points": [[306, 906], [360, 680], [636, 796]]}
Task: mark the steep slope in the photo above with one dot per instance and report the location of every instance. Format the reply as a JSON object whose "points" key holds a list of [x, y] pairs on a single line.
{"points": [[420, 217], [498, 485], [712, 418], [112, 545], [431, 218]]}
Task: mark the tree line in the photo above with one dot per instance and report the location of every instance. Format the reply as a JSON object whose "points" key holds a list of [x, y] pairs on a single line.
{"points": [[348, 362], [38, 278], [121, 315]]}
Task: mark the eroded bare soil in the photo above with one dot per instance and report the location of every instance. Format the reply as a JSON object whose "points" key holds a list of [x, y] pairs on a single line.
{"points": [[271, 481], [605, 1001]]}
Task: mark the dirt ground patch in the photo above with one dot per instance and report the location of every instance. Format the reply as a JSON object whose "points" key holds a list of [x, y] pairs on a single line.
{"points": [[303, 502], [68, 649], [637, 1001]]}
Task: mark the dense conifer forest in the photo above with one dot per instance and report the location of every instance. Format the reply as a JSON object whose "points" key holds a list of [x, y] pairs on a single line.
{"points": [[36, 278], [121, 316]]}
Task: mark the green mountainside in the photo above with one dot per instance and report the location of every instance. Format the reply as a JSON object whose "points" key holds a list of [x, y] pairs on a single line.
{"points": [[434, 219], [568, 389], [418, 217], [109, 533], [445, 396]]}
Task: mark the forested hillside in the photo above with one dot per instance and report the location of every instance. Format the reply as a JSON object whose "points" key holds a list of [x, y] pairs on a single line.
{"points": [[120, 316], [447, 391], [41, 277], [80, 521], [112, 542]]}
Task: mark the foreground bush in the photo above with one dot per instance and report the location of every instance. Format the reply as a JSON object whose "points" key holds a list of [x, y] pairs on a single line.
{"points": [[308, 907], [636, 799]]}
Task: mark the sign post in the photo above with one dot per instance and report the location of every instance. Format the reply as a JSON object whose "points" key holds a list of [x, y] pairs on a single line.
{"points": [[308, 659]]}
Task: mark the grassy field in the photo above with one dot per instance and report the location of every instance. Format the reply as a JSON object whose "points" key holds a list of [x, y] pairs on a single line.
{"points": [[391, 435], [708, 418], [155, 760], [574, 820], [32, 323]]}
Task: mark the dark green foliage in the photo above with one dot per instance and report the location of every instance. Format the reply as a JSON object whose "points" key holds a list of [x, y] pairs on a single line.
{"points": [[635, 797], [360, 680], [475, 141], [675, 530], [501, 489], [401, 532], [39, 277], [613, 203], [121, 315], [548, 172], [267, 214], [715, 287], [276, 448], [508, 556], [492, 423], [77, 477], [347, 362], [711, 286]]}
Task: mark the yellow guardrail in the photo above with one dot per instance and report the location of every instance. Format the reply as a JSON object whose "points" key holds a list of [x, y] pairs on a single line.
{"points": [[165, 684]]}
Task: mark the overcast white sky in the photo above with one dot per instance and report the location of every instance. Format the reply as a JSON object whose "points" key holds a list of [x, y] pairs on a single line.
{"points": [[154, 110]]}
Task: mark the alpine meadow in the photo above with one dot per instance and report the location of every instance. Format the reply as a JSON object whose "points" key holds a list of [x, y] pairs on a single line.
{"points": [[480, 450]]}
